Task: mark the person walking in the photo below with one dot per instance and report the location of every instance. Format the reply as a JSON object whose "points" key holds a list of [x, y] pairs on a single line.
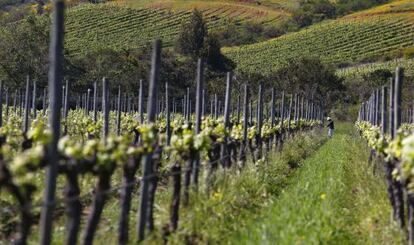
{"points": [[330, 127]]}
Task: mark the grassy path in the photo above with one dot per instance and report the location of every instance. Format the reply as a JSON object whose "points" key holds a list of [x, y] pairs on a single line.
{"points": [[334, 199]]}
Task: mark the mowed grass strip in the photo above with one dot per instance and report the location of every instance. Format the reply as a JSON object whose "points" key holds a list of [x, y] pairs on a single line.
{"points": [[337, 199]]}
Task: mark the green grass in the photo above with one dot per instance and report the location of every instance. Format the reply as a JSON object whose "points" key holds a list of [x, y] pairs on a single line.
{"points": [[348, 40], [334, 199]]}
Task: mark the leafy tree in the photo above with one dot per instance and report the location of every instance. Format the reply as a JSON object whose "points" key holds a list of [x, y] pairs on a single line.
{"points": [[348, 6], [192, 36], [24, 50], [212, 51], [246, 33], [377, 78], [302, 18], [194, 41], [310, 77], [362, 89], [313, 11]]}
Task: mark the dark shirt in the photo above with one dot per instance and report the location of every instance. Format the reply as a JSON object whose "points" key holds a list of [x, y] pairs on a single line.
{"points": [[331, 125]]}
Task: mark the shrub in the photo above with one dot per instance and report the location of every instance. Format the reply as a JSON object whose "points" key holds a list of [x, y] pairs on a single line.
{"points": [[408, 53]]}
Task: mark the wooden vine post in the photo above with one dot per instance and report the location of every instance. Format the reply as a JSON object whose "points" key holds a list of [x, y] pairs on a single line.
{"points": [[105, 108], [141, 102], [272, 116], [215, 107], [225, 153], [250, 112], [295, 102], [1, 103], [191, 162], [34, 100], [44, 103], [167, 113], [388, 167], [26, 107], [378, 107], [259, 123], [147, 159], [88, 95], [63, 100], [175, 170], [289, 116], [66, 107], [398, 186], [130, 168], [302, 107], [384, 95], [118, 112], [184, 107], [55, 85], [203, 110], [238, 109], [373, 106], [21, 103], [15, 102], [95, 101], [187, 106], [7, 103], [242, 158], [282, 120], [198, 121]]}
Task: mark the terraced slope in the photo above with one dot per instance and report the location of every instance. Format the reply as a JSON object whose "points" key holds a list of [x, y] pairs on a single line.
{"points": [[268, 11], [89, 26], [346, 40]]}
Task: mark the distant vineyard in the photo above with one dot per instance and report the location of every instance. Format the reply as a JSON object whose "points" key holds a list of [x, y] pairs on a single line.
{"points": [[90, 26], [360, 70], [347, 40], [253, 10]]}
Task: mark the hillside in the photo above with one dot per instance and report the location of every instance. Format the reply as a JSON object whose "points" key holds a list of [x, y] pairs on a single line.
{"points": [[369, 34], [253, 10], [118, 27]]}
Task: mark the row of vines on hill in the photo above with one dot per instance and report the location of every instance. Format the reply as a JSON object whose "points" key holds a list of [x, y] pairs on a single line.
{"points": [[335, 42], [387, 125], [91, 26], [357, 72], [54, 157]]}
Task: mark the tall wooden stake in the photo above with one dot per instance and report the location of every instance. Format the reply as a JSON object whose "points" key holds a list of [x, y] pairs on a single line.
{"points": [[118, 115], [34, 99], [26, 107], [105, 108], [147, 159], [199, 109], [55, 85], [141, 102], [167, 113], [1, 103]]}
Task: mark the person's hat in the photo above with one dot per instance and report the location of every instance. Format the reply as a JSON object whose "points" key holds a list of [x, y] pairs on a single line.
{"points": [[328, 118]]}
